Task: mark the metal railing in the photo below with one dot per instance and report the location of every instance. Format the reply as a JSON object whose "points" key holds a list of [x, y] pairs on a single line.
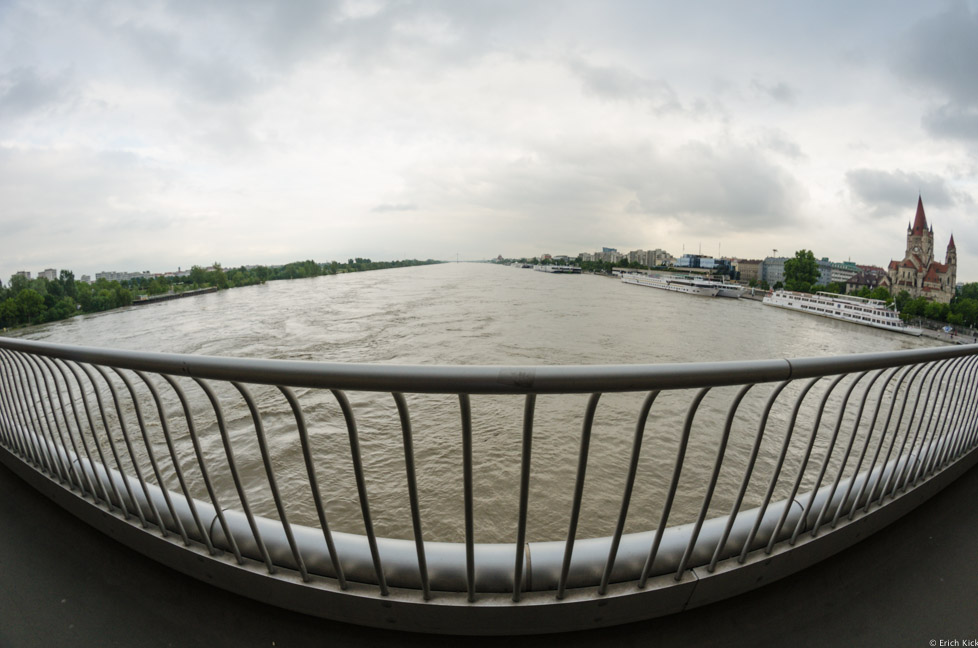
{"points": [[200, 462]]}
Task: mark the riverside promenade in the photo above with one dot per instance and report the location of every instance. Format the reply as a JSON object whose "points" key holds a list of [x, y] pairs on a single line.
{"points": [[913, 584]]}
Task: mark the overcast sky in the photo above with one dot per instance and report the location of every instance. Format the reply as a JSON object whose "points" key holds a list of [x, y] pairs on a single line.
{"points": [[157, 135]]}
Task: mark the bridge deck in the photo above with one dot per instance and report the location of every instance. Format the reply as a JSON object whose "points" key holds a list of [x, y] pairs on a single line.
{"points": [[64, 584]]}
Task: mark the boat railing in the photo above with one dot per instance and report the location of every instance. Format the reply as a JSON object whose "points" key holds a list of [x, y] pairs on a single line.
{"points": [[181, 458]]}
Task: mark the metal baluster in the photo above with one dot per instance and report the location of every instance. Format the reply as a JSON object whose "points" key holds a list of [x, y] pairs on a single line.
{"points": [[717, 464], [747, 474], [412, 484], [879, 447], [956, 432], [862, 454], [351, 428], [909, 469], [15, 416], [772, 484], [50, 444], [923, 468], [845, 458], [676, 472], [270, 474], [174, 460], [115, 452], [95, 442], [229, 454], [528, 410], [27, 450], [79, 427], [300, 422], [896, 433], [152, 458], [41, 442], [592, 405], [947, 416], [629, 484], [218, 510], [969, 418], [465, 409], [825, 462], [804, 464], [132, 456], [893, 477]]}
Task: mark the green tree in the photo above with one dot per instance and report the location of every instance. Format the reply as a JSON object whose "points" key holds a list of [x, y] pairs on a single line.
{"points": [[801, 272], [30, 303]]}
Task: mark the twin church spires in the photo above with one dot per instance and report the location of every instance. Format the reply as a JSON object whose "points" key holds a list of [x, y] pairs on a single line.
{"points": [[919, 273]]}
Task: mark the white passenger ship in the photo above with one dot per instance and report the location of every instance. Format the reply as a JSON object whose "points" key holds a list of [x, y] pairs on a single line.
{"points": [[678, 283], [858, 310]]}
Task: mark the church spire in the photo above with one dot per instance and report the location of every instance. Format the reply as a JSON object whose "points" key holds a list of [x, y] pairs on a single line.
{"points": [[920, 220], [950, 244]]}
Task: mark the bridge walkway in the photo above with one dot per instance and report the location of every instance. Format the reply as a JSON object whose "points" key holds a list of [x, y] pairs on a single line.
{"points": [[65, 584]]}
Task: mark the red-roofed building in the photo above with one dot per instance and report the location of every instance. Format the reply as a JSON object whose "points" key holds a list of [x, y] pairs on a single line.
{"points": [[919, 273]]}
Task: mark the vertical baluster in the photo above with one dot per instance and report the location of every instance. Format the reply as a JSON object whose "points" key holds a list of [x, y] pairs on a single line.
{"points": [[879, 446], [300, 422], [845, 457], [351, 428], [50, 445], [894, 476], [132, 456], [15, 415], [747, 474], [963, 397], [803, 520], [15, 380], [969, 417], [232, 465], [95, 441], [629, 485], [592, 406], [43, 443], [910, 468], [174, 460], [81, 433], [931, 433], [804, 465], [147, 444], [270, 474], [717, 464], [115, 452], [949, 398], [674, 483], [772, 484], [412, 484], [862, 454], [528, 410], [896, 432], [195, 441], [465, 409]]}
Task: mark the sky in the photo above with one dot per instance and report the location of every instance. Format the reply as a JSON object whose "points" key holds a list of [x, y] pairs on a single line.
{"points": [[157, 135]]}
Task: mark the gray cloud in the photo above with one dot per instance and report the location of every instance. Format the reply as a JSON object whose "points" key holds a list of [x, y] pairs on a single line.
{"points": [[619, 84], [725, 187], [780, 92], [779, 142], [396, 207], [23, 91], [938, 54], [884, 191]]}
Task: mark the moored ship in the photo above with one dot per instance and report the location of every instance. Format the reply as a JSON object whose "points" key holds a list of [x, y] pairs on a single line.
{"points": [[849, 308], [677, 283]]}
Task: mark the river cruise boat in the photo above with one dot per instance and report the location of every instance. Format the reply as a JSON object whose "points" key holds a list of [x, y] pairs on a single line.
{"points": [[558, 269], [676, 283], [726, 289], [858, 310]]}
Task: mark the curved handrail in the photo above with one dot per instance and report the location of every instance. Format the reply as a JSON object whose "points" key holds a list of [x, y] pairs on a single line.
{"points": [[52, 432]]}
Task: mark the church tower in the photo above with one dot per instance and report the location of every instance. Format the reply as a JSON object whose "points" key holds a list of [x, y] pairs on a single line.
{"points": [[920, 239], [951, 261]]}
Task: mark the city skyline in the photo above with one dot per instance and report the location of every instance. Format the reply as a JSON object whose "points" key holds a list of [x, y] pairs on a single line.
{"points": [[163, 136]]}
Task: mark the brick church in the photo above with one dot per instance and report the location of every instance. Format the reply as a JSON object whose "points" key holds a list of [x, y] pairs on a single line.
{"points": [[920, 274]]}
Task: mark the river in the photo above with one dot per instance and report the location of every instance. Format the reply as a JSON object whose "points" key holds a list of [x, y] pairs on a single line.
{"points": [[478, 314]]}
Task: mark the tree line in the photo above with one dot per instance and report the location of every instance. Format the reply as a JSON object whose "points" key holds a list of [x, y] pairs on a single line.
{"points": [[26, 301]]}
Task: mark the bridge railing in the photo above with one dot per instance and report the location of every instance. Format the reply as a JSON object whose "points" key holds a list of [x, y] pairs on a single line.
{"points": [[230, 470]]}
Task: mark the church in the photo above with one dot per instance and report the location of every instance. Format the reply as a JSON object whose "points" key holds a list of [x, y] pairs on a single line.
{"points": [[920, 274]]}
